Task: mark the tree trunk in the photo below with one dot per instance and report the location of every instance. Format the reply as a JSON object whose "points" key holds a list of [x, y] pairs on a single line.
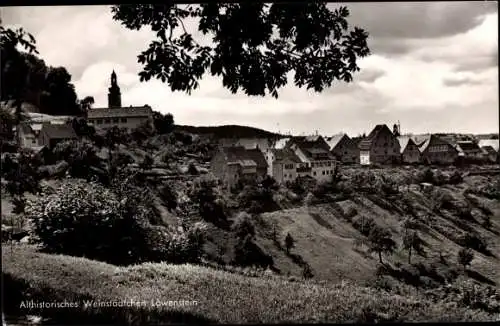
{"points": [[409, 256], [18, 123], [380, 256]]}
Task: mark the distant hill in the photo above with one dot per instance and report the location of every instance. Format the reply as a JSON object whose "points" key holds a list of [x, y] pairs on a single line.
{"points": [[227, 131]]}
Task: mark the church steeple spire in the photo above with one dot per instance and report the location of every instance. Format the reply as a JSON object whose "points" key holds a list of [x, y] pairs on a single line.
{"points": [[114, 95]]}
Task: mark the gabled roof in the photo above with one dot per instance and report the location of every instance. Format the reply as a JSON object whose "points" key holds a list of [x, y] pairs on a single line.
{"points": [[490, 142], [281, 143], [239, 153], [305, 142], [132, 111], [335, 140], [431, 139], [356, 140], [59, 131], [285, 154], [26, 128], [366, 143], [468, 146], [405, 141], [312, 146], [488, 149], [245, 163]]}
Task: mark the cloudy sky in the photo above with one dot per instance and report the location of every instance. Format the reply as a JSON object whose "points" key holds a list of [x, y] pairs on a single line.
{"points": [[434, 67]]}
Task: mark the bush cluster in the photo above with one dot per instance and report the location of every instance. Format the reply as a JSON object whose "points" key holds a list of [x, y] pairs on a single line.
{"points": [[87, 220]]}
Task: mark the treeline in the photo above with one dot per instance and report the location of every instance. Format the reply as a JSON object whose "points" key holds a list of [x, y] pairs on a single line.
{"points": [[26, 77]]}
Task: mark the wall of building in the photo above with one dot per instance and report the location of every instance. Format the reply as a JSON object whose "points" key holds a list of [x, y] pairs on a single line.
{"points": [[385, 149], [411, 154], [364, 157], [28, 139], [128, 122], [346, 151], [322, 171], [440, 154]]}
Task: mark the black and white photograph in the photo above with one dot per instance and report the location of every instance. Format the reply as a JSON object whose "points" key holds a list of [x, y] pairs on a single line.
{"points": [[250, 163]]}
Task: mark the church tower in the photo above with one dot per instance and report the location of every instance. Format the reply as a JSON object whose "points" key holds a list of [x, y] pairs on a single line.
{"points": [[114, 95]]}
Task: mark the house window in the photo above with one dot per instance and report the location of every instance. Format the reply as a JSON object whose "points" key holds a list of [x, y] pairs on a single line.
{"points": [[33, 141], [107, 121], [385, 152], [116, 120], [99, 121], [314, 173], [323, 172], [123, 120]]}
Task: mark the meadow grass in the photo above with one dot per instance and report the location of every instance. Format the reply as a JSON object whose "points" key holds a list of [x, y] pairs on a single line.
{"points": [[221, 297]]}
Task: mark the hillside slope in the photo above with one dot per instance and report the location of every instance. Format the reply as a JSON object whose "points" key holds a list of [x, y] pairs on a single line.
{"points": [[326, 239]]}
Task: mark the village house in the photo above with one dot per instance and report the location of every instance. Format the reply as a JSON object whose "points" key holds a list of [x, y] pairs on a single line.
{"points": [[314, 153], [117, 116], [283, 164], [51, 134], [469, 149], [28, 134], [344, 148], [490, 142], [435, 150], [280, 143], [490, 154], [234, 164], [380, 147], [410, 153]]}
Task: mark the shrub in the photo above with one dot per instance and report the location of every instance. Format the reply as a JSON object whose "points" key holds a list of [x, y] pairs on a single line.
{"points": [[427, 176], [473, 241], [465, 257], [243, 225], [247, 253], [363, 224], [102, 225], [192, 170], [169, 197], [289, 242], [456, 178], [350, 212], [81, 157]]}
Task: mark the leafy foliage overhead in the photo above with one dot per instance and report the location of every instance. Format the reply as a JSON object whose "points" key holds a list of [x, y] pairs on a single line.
{"points": [[254, 45]]}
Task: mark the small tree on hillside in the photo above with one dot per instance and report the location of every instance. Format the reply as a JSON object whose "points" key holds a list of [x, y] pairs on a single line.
{"points": [[289, 242], [380, 241], [465, 257], [147, 162], [243, 225], [411, 241]]}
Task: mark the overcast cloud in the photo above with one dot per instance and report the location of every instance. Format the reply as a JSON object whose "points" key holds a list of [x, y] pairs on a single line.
{"points": [[434, 67]]}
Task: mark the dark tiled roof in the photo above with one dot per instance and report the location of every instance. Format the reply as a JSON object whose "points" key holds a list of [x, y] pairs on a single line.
{"points": [[239, 153], [468, 146], [335, 140], [285, 154], [26, 128], [59, 131], [366, 143], [133, 111], [434, 140], [356, 140], [489, 149]]}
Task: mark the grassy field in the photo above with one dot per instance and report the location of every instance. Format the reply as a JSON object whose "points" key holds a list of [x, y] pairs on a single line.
{"points": [[221, 297]]}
